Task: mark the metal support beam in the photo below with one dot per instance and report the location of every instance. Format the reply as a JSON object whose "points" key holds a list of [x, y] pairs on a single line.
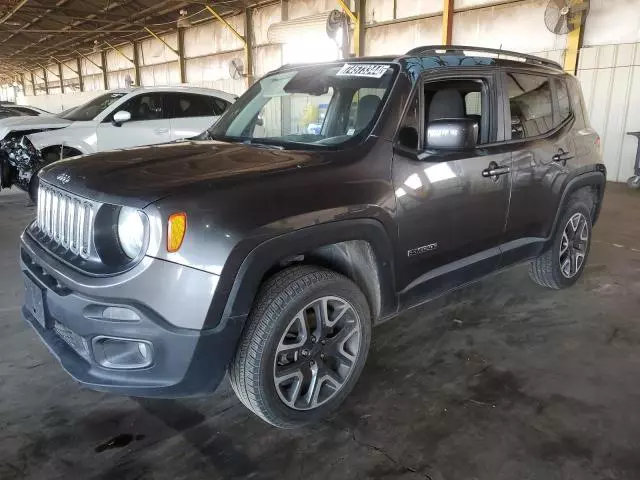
{"points": [[105, 75], [248, 47], [357, 28], [46, 81], [60, 76], [89, 60], [118, 51], [181, 63], [161, 40], [60, 61], [248, 55], [574, 43], [361, 8], [79, 72], [13, 11], [447, 21], [225, 23], [136, 65], [46, 69], [33, 83]]}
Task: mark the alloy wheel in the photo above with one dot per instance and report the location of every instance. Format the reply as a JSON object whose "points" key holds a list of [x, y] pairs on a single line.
{"points": [[317, 352], [574, 244]]}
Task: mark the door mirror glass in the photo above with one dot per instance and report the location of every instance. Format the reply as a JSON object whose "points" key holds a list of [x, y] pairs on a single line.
{"points": [[120, 117], [452, 134], [408, 138]]}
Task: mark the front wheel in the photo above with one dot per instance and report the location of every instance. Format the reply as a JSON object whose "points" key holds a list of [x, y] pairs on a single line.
{"points": [[303, 348], [562, 265]]}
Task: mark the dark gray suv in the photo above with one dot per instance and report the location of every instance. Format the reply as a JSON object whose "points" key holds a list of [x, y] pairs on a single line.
{"points": [[328, 198]]}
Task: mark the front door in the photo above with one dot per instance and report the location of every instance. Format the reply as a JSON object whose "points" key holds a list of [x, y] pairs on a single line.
{"points": [[451, 215], [149, 124]]}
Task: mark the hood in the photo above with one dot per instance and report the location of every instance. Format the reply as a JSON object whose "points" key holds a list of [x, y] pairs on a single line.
{"points": [[140, 176], [18, 124]]}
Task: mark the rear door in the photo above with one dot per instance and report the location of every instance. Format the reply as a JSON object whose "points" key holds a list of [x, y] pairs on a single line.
{"points": [[191, 114], [149, 124], [451, 216], [543, 151]]}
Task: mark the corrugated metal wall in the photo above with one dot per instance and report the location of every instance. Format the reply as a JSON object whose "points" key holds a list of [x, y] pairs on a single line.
{"points": [[609, 73], [610, 78]]}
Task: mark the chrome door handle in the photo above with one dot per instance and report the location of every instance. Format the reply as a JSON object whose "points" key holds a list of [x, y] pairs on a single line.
{"points": [[161, 130], [494, 171]]}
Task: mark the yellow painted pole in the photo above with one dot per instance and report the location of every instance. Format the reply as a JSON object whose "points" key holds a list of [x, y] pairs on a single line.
{"points": [[161, 40], [356, 28], [574, 42], [119, 51], [447, 21]]}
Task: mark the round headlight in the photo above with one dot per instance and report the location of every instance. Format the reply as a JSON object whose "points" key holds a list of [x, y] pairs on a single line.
{"points": [[130, 231]]}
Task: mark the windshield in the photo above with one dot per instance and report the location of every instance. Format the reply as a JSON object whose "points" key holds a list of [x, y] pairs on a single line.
{"points": [[92, 108], [321, 105]]}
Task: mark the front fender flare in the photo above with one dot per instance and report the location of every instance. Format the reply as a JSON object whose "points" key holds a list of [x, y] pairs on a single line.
{"points": [[237, 289]]}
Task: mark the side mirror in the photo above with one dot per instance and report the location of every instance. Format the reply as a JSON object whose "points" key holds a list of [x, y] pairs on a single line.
{"points": [[452, 134], [120, 117], [408, 137], [259, 121]]}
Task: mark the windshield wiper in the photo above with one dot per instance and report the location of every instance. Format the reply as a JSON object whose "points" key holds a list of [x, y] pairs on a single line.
{"points": [[263, 143]]}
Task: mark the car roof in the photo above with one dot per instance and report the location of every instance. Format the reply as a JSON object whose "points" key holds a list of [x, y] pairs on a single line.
{"points": [[178, 88], [434, 56]]}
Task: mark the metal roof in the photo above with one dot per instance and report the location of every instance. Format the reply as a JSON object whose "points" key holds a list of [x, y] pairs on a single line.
{"points": [[38, 32]]}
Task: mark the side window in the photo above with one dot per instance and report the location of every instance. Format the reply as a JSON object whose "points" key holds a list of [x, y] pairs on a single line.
{"points": [[459, 99], [564, 104], [147, 106], [473, 103], [531, 105], [219, 105], [193, 105]]}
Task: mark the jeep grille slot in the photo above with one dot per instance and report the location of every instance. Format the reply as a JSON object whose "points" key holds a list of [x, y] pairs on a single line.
{"points": [[66, 220]]}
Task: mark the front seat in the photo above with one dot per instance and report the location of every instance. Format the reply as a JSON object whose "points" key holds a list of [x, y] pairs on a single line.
{"points": [[367, 107]]}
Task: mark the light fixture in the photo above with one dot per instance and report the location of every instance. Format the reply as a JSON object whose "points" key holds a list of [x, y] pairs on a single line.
{"points": [[96, 48], [183, 20]]}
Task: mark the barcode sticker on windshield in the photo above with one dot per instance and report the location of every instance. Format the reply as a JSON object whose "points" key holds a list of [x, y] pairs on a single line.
{"points": [[362, 70]]}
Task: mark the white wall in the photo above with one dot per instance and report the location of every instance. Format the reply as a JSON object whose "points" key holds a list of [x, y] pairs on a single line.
{"points": [[612, 22], [58, 102], [610, 78]]}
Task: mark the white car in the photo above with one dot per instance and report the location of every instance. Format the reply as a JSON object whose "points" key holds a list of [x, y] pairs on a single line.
{"points": [[117, 119]]}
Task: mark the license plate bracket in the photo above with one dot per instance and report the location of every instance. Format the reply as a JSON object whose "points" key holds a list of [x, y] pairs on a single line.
{"points": [[34, 301]]}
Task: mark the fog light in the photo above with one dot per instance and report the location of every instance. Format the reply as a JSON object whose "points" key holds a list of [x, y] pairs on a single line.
{"points": [[120, 314], [122, 353]]}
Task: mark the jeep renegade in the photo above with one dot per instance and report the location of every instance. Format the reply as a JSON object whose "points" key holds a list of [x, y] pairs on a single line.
{"points": [[327, 199]]}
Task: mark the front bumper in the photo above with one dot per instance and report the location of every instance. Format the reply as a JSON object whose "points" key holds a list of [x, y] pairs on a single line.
{"points": [[185, 361]]}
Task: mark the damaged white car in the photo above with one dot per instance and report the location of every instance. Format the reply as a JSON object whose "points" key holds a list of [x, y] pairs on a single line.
{"points": [[114, 120]]}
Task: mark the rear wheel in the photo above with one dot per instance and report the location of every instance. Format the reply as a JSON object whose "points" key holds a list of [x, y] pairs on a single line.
{"points": [[303, 348], [562, 265]]}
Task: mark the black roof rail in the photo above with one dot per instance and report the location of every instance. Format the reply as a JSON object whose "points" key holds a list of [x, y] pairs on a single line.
{"points": [[531, 59]]}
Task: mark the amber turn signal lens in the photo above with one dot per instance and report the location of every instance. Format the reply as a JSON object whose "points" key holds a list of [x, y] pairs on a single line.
{"points": [[177, 227]]}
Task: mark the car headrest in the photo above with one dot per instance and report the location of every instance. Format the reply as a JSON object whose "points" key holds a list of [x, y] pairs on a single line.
{"points": [[446, 104]]}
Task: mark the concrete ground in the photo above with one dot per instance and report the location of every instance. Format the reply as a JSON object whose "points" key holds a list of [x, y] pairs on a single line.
{"points": [[502, 380]]}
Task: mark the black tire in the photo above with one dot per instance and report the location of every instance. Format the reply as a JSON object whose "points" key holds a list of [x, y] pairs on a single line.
{"points": [[280, 298], [546, 270]]}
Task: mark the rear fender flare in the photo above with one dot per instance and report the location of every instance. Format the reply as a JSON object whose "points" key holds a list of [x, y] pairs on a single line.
{"points": [[247, 279], [591, 179]]}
